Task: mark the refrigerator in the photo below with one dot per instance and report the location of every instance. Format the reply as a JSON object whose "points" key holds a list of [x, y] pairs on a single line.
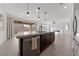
{"points": [[76, 30]]}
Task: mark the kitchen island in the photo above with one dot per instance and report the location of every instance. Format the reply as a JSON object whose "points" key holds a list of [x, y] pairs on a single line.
{"points": [[33, 43]]}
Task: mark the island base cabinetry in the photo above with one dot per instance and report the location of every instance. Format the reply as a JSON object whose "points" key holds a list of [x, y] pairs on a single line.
{"points": [[46, 40], [26, 48], [33, 45]]}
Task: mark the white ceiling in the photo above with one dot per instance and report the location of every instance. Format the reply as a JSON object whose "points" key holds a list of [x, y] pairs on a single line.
{"points": [[55, 11]]}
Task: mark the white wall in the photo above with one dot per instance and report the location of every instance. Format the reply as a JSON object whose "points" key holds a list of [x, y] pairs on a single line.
{"points": [[3, 33]]}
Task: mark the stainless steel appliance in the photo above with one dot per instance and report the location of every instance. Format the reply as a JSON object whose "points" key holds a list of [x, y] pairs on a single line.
{"points": [[75, 39]]}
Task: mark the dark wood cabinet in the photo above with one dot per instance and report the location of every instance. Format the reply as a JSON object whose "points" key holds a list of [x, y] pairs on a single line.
{"points": [[46, 40], [52, 37], [26, 47]]}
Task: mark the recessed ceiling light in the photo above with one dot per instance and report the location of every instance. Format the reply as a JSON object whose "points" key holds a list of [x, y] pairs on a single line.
{"points": [[65, 6]]}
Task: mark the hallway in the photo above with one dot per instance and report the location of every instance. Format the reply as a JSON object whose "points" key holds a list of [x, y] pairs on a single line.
{"points": [[61, 47]]}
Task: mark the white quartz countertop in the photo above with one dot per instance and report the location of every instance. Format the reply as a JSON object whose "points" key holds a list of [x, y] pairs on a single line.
{"points": [[27, 34]]}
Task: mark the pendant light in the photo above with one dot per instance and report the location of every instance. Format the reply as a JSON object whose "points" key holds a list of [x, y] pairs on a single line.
{"points": [[45, 15], [27, 9], [38, 13]]}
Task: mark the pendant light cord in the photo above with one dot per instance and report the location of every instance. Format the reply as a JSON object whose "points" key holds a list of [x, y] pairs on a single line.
{"points": [[27, 8]]}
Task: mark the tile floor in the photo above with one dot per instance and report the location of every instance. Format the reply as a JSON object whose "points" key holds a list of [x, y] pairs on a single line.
{"points": [[61, 47], [9, 48]]}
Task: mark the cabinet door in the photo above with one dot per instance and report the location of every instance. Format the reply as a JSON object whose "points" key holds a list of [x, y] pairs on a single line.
{"points": [[45, 41], [27, 47], [42, 42], [52, 37], [48, 37]]}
